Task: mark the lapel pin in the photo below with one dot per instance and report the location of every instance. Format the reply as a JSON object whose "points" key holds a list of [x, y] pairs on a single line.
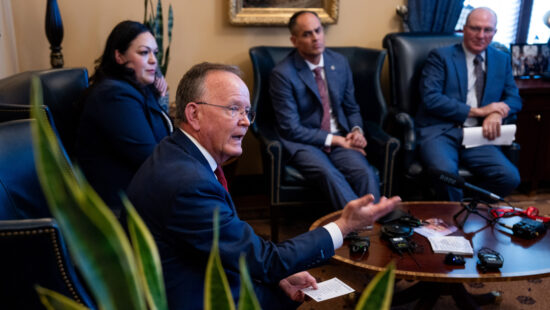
{"points": [[332, 68]]}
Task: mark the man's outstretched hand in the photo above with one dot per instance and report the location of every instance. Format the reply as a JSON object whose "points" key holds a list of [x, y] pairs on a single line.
{"points": [[362, 212]]}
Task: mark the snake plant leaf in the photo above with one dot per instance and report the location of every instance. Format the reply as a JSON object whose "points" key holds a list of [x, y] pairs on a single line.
{"points": [[148, 260], [217, 295], [379, 292], [164, 66], [53, 300], [247, 298], [94, 236], [170, 23], [159, 31]]}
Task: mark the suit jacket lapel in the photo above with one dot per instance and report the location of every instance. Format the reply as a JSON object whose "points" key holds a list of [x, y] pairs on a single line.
{"points": [[306, 75], [186, 144], [331, 74], [459, 60], [490, 72], [189, 147]]}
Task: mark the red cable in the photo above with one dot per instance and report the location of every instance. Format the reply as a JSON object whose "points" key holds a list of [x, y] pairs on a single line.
{"points": [[531, 212]]}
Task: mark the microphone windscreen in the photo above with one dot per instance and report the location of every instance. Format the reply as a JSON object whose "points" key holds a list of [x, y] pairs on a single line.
{"points": [[446, 177]]}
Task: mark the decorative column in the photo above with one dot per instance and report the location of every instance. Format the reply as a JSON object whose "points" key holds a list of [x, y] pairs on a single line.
{"points": [[54, 32]]}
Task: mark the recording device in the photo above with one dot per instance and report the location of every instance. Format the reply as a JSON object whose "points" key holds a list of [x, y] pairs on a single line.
{"points": [[396, 230], [359, 245], [489, 259], [399, 244], [401, 217], [454, 259], [458, 181], [527, 228]]}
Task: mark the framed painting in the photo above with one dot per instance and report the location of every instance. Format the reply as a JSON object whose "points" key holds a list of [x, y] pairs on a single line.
{"points": [[530, 60], [278, 12]]}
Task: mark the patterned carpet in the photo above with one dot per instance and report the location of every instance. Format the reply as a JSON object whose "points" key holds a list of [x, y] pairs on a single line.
{"points": [[526, 295]]}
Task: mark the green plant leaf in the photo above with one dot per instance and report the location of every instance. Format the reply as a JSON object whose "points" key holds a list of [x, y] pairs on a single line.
{"points": [[94, 236], [159, 31], [170, 23], [217, 295], [148, 260], [53, 300], [379, 292], [247, 297]]}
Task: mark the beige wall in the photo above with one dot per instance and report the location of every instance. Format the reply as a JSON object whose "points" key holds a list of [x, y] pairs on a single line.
{"points": [[201, 33]]}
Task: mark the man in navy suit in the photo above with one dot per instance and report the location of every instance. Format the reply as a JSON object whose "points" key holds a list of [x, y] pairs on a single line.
{"points": [[318, 120], [468, 84], [180, 185]]}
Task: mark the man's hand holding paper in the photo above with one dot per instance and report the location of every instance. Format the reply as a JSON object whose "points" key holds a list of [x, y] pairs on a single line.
{"points": [[475, 136]]}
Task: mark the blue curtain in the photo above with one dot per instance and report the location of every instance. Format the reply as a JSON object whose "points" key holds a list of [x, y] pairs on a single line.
{"points": [[434, 15]]}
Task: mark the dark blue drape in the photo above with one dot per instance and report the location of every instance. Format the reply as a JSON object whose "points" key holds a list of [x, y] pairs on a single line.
{"points": [[434, 15]]}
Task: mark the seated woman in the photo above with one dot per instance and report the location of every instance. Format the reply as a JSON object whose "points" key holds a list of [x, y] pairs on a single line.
{"points": [[122, 121]]}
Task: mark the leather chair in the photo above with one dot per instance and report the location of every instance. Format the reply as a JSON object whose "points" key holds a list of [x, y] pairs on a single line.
{"points": [[61, 92], [33, 250], [286, 185], [406, 55]]}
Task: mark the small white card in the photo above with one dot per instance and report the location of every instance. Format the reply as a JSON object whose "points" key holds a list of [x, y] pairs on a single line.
{"points": [[328, 289]]}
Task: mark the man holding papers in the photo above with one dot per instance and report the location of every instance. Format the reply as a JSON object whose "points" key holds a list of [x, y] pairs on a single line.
{"points": [[467, 85]]}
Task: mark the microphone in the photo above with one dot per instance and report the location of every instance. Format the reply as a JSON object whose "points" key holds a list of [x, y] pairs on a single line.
{"points": [[458, 181]]}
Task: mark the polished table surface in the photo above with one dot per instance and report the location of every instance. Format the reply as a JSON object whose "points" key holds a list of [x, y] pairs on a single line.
{"points": [[523, 259]]}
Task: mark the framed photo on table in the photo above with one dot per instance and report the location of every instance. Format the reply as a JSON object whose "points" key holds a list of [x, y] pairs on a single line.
{"points": [[278, 12], [530, 60]]}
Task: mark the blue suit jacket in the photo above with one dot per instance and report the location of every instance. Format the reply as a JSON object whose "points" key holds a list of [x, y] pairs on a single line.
{"points": [[444, 87], [297, 103], [176, 193], [119, 128]]}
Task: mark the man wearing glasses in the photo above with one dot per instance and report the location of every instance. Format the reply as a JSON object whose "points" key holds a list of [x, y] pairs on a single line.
{"points": [[180, 185], [468, 84]]}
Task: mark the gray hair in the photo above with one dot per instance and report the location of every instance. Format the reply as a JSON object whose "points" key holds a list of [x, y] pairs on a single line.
{"points": [[191, 86]]}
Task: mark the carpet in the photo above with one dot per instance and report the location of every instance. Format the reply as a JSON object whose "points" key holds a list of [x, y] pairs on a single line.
{"points": [[525, 294]]}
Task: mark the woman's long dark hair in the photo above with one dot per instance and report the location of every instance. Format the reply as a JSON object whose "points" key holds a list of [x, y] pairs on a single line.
{"points": [[120, 38]]}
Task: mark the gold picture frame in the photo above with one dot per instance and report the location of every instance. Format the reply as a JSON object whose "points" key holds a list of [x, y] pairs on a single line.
{"points": [[278, 12]]}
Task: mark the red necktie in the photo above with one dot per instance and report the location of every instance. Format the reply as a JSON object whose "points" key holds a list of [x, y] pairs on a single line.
{"points": [[323, 92], [325, 122], [221, 177]]}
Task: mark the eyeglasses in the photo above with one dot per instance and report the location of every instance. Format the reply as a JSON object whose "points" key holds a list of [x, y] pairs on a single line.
{"points": [[477, 29], [235, 111]]}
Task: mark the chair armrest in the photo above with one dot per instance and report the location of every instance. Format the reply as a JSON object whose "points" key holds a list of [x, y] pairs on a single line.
{"points": [[512, 152], [272, 156], [384, 148]]}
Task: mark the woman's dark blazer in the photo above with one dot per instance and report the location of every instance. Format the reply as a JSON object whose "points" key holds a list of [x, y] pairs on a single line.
{"points": [[119, 128]]}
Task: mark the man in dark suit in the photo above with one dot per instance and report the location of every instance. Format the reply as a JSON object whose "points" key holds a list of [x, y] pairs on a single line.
{"points": [[318, 120], [178, 188], [468, 84]]}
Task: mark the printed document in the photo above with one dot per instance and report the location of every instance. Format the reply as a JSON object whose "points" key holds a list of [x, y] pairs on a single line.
{"points": [[451, 244]]}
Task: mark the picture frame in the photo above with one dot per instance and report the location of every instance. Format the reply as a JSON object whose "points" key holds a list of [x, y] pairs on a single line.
{"points": [[278, 12], [530, 60]]}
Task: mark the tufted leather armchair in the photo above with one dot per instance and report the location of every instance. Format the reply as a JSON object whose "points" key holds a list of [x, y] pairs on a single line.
{"points": [[61, 90], [406, 55], [33, 250], [286, 185]]}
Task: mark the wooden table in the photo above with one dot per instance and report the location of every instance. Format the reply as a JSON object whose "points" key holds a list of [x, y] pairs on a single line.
{"points": [[523, 259]]}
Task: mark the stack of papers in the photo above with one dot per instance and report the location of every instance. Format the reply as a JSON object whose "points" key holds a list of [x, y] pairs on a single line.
{"points": [[473, 136], [451, 244]]}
